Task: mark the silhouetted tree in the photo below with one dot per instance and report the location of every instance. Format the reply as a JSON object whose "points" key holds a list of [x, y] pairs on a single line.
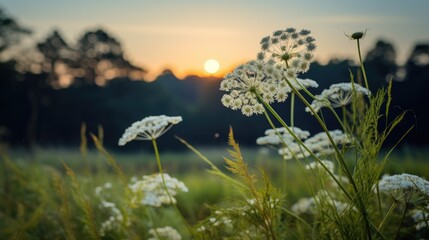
{"points": [[102, 58], [10, 31], [59, 60], [381, 64]]}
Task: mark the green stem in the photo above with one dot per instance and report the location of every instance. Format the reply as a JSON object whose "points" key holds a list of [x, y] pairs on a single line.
{"points": [[361, 64], [387, 215], [338, 154], [402, 220], [292, 109], [280, 120], [158, 161]]}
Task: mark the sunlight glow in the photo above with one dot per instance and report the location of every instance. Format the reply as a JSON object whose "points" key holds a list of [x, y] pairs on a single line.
{"points": [[211, 66]]}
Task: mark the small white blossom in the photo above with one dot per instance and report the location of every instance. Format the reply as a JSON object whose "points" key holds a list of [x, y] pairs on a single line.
{"points": [[337, 95], [272, 136], [403, 186], [421, 217], [290, 49], [321, 145], [150, 190], [293, 150], [149, 128], [304, 205], [311, 205], [317, 166], [249, 80], [167, 233], [115, 220]]}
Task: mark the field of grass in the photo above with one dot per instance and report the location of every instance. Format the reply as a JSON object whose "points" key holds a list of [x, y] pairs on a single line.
{"points": [[38, 200]]}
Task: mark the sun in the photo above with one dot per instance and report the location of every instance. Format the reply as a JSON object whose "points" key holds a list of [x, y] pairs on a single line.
{"points": [[211, 66]]}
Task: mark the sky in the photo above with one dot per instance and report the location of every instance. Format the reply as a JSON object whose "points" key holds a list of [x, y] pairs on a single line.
{"points": [[182, 34]]}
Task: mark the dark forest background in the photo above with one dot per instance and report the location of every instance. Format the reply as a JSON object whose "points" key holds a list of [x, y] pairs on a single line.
{"points": [[50, 89]]}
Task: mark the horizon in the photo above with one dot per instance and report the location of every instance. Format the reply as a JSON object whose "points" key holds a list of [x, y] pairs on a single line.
{"points": [[182, 36]]}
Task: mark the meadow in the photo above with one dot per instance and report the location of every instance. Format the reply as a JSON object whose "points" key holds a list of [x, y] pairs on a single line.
{"points": [[31, 203]]}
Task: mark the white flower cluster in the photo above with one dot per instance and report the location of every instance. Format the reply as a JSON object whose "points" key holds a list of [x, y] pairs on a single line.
{"points": [[100, 189], [149, 128], [292, 148], [248, 80], [167, 233], [114, 221], [318, 144], [290, 49], [304, 206], [310, 205], [272, 136], [421, 217], [150, 190], [403, 186], [337, 95], [318, 167]]}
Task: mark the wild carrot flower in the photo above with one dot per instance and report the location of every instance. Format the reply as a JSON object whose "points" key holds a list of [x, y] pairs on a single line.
{"points": [[337, 95], [149, 128], [114, 221], [150, 191], [164, 233], [249, 80], [287, 143], [421, 217], [320, 144], [290, 49], [404, 186], [311, 205], [317, 166], [272, 136], [293, 150]]}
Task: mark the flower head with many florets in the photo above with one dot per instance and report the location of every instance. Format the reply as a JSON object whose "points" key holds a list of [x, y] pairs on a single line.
{"points": [[249, 81], [149, 191], [290, 49], [149, 128], [338, 95]]}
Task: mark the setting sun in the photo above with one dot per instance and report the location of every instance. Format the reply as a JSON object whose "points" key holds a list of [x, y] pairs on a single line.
{"points": [[211, 66]]}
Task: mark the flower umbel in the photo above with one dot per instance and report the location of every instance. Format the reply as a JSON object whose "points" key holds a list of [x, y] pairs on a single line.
{"points": [[337, 95], [289, 49], [404, 186], [150, 191], [249, 80], [164, 233], [148, 129]]}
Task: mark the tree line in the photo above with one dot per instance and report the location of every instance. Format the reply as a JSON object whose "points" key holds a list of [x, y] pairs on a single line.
{"points": [[49, 90]]}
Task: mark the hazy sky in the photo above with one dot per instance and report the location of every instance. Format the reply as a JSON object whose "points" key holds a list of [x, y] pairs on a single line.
{"points": [[182, 34]]}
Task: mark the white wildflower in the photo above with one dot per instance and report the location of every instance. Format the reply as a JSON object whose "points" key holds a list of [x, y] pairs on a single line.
{"points": [[149, 128], [421, 217], [150, 190], [272, 136], [115, 220], [321, 145], [293, 150], [289, 49], [164, 233], [281, 137], [337, 95], [318, 166], [249, 80], [403, 186], [304, 205]]}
